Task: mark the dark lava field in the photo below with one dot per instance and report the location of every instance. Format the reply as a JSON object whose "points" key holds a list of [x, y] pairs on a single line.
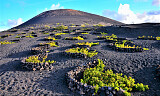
{"points": [[15, 80]]}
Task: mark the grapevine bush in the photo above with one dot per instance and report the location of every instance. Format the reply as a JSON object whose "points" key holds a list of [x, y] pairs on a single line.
{"points": [[6, 42], [82, 51], [62, 27], [51, 38], [149, 37], [35, 59], [87, 43], [52, 44], [74, 38], [30, 36], [99, 78], [60, 33]]}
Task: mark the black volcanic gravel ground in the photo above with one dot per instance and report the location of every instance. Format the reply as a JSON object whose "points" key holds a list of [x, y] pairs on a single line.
{"points": [[15, 81]]}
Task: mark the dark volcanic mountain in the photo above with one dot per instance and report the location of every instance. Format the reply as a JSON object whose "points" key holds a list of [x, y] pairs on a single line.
{"points": [[69, 16], [135, 53]]}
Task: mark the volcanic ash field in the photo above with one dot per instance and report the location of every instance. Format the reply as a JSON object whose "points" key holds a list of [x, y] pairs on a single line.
{"points": [[43, 57]]}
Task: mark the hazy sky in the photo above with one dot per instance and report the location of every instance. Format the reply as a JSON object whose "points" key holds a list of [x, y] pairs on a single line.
{"points": [[15, 12]]}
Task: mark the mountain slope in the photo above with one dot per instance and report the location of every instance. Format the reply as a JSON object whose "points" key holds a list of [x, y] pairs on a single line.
{"points": [[69, 16]]}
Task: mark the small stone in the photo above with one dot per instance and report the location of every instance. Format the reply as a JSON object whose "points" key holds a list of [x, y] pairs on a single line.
{"points": [[105, 87], [41, 64], [81, 84], [9, 88], [102, 93], [89, 86], [110, 94], [114, 92], [70, 84], [92, 91], [81, 91], [47, 68], [38, 67], [102, 88], [110, 88], [85, 85], [51, 67], [78, 87], [46, 63], [86, 88], [107, 92], [74, 79], [42, 68], [71, 79], [120, 92], [34, 69], [72, 89]]}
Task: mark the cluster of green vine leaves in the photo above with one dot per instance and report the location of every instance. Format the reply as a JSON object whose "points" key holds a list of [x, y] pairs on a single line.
{"points": [[99, 78]]}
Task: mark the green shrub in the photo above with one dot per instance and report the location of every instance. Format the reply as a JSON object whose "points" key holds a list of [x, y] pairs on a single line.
{"points": [[157, 38], [104, 37], [32, 32], [30, 36], [149, 37], [7, 35], [62, 27], [14, 30], [86, 24], [32, 27], [145, 49], [53, 38], [123, 45], [99, 78], [21, 33], [82, 25], [18, 37], [52, 44], [35, 59], [72, 25], [5, 42], [127, 93], [85, 29], [75, 38], [142, 36], [60, 33], [47, 26], [82, 51], [112, 36], [98, 25], [103, 33], [119, 45], [45, 33], [87, 43], [85, 33]]}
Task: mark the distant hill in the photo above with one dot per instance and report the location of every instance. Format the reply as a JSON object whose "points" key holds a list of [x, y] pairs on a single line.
{"points": [[142, 25], [69, 16]]}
